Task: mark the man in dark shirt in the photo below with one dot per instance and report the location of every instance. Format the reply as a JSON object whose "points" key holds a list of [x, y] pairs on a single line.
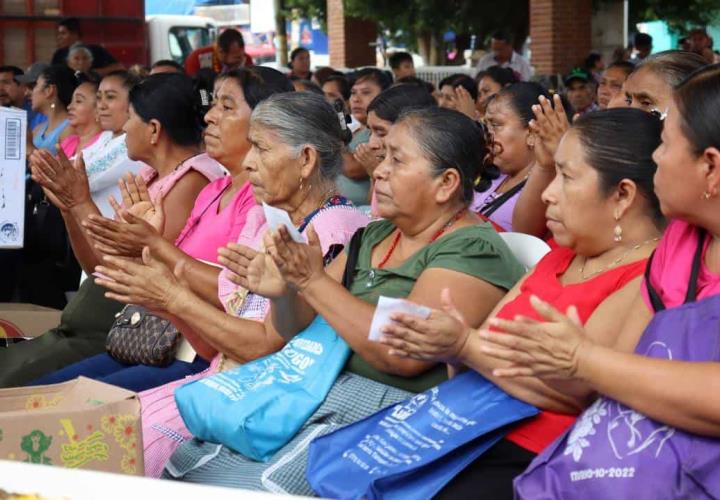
{"points": [[68, 34]]}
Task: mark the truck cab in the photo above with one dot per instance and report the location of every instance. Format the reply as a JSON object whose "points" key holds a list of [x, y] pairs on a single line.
{"points": [[174, 37]]}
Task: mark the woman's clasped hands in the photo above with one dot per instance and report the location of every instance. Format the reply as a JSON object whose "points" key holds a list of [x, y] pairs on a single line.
{"points": [[149, 282], [138, 222], [552, 348], [65, 183]]}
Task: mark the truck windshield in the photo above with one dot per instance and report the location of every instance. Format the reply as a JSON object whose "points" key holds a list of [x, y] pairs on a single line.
{"points": [[183, 40]]}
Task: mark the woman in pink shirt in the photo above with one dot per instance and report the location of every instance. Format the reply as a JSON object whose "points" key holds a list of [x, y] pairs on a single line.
{"points": [[82, 117], [222, 208], [300, 183]]}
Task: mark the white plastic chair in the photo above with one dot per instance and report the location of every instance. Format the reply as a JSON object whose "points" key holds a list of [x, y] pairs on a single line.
{"points": [[526, 248]]}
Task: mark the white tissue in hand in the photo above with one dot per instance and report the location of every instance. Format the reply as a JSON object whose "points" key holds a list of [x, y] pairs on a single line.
{"points": [[276, 217], [387, 307]]}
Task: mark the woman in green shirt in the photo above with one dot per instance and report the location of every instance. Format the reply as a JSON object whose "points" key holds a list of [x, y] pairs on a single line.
{"points": [[428, 241]]}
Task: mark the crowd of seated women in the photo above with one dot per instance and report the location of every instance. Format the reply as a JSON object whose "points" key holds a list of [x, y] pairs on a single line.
{"points": [[162, 198]]}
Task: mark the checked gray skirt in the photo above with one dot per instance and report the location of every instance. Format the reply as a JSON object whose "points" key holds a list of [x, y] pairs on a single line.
{"points": [[351, 398]]}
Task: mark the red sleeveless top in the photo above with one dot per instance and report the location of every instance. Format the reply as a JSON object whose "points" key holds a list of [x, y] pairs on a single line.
{"points": [[538, 432]]}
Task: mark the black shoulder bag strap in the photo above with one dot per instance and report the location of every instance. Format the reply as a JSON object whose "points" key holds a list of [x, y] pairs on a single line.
{"points": [[691, 295], [352, 258], [491, 207]]}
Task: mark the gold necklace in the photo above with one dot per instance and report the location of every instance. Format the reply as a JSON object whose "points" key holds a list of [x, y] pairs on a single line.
{"points": [[613, 263]]}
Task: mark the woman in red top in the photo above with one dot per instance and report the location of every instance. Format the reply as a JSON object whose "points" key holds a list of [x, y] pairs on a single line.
{"points": [[606, 220]]}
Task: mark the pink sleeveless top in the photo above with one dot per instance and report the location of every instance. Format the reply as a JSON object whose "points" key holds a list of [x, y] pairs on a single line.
{"points": [[209, 228], [163, 428], [670, 272]]}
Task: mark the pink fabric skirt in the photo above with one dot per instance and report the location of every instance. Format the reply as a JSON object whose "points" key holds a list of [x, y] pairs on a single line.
{"points": [[163, 428]]}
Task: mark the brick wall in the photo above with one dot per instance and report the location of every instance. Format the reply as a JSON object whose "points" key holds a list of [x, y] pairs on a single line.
{"points": [[561, 33], [349, 39]]}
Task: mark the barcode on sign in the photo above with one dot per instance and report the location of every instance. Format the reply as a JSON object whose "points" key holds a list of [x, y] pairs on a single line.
{"points": [[12, 139]]}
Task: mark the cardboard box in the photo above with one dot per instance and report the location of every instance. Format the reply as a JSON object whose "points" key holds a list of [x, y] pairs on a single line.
{"points": [[13, 131], [81, 424], [26, 320]]}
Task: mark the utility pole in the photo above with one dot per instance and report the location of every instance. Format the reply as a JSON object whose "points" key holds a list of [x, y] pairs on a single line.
{"points": [[281, 32]]}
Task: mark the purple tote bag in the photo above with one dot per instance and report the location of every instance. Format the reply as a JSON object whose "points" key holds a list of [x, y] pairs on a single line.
{"points": [[615, 452]]}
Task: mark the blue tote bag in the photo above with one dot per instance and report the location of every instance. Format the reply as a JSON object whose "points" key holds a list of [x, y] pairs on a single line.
{"points": [[412, 449], [258, 407]]}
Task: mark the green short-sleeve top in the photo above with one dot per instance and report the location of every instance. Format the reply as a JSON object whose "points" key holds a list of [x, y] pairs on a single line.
{"points": [[475, 250]]}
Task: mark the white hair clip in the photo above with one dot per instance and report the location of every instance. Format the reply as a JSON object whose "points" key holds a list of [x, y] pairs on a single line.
{"points": [[660, 114]]}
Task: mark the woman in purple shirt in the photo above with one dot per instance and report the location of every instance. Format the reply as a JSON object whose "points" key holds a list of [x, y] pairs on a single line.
{"points": [[507, 117]]}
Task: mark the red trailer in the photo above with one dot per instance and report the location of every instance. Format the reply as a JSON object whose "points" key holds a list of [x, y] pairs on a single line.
{"points": [[28, 27]]}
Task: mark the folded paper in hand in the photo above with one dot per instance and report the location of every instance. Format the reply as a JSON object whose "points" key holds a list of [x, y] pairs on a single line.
{"points": [[276, 217], [387, 306]]}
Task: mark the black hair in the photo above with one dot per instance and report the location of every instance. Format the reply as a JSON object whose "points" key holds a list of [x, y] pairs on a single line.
{"points": [[502, 76], [259, 82], [171, 99], [461, 80], [643, 40], [449, 139], [414, 80], [63, 78], [168, 62], [228, 37], [128, 80], [522, 96], [90, 77], [381, 78], [502, 36], [12, 69], [673, 65], [342, 83], [591, 60], [308, 86], [626, 66], [397, 58], [618, 144], [698, 102], [72, 24], [296, 52], [390, 103], [322, 74], [204, 85]]}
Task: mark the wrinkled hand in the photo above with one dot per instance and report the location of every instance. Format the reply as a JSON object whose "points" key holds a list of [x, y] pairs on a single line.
{"points": [[67, 181], [551, 349], [149, 283], [366, 157], [299, 264], [440, 338], [136, 200], [125, 238], [465, 103], [549, 125], [253, 270]]}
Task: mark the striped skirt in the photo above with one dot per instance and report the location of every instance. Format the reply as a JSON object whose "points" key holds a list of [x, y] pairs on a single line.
{"points": [[351, 399]]}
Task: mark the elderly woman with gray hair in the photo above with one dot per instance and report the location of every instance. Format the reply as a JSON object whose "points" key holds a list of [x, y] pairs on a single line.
{"points": [[79, 58], [296, 143], [428, 246]]}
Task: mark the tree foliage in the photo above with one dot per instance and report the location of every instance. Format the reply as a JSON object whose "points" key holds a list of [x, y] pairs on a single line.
{"points": [[408, 21], [678, 14]]}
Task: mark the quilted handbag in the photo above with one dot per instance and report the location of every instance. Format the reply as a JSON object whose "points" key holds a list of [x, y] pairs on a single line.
{"points": [[139, 337]]}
